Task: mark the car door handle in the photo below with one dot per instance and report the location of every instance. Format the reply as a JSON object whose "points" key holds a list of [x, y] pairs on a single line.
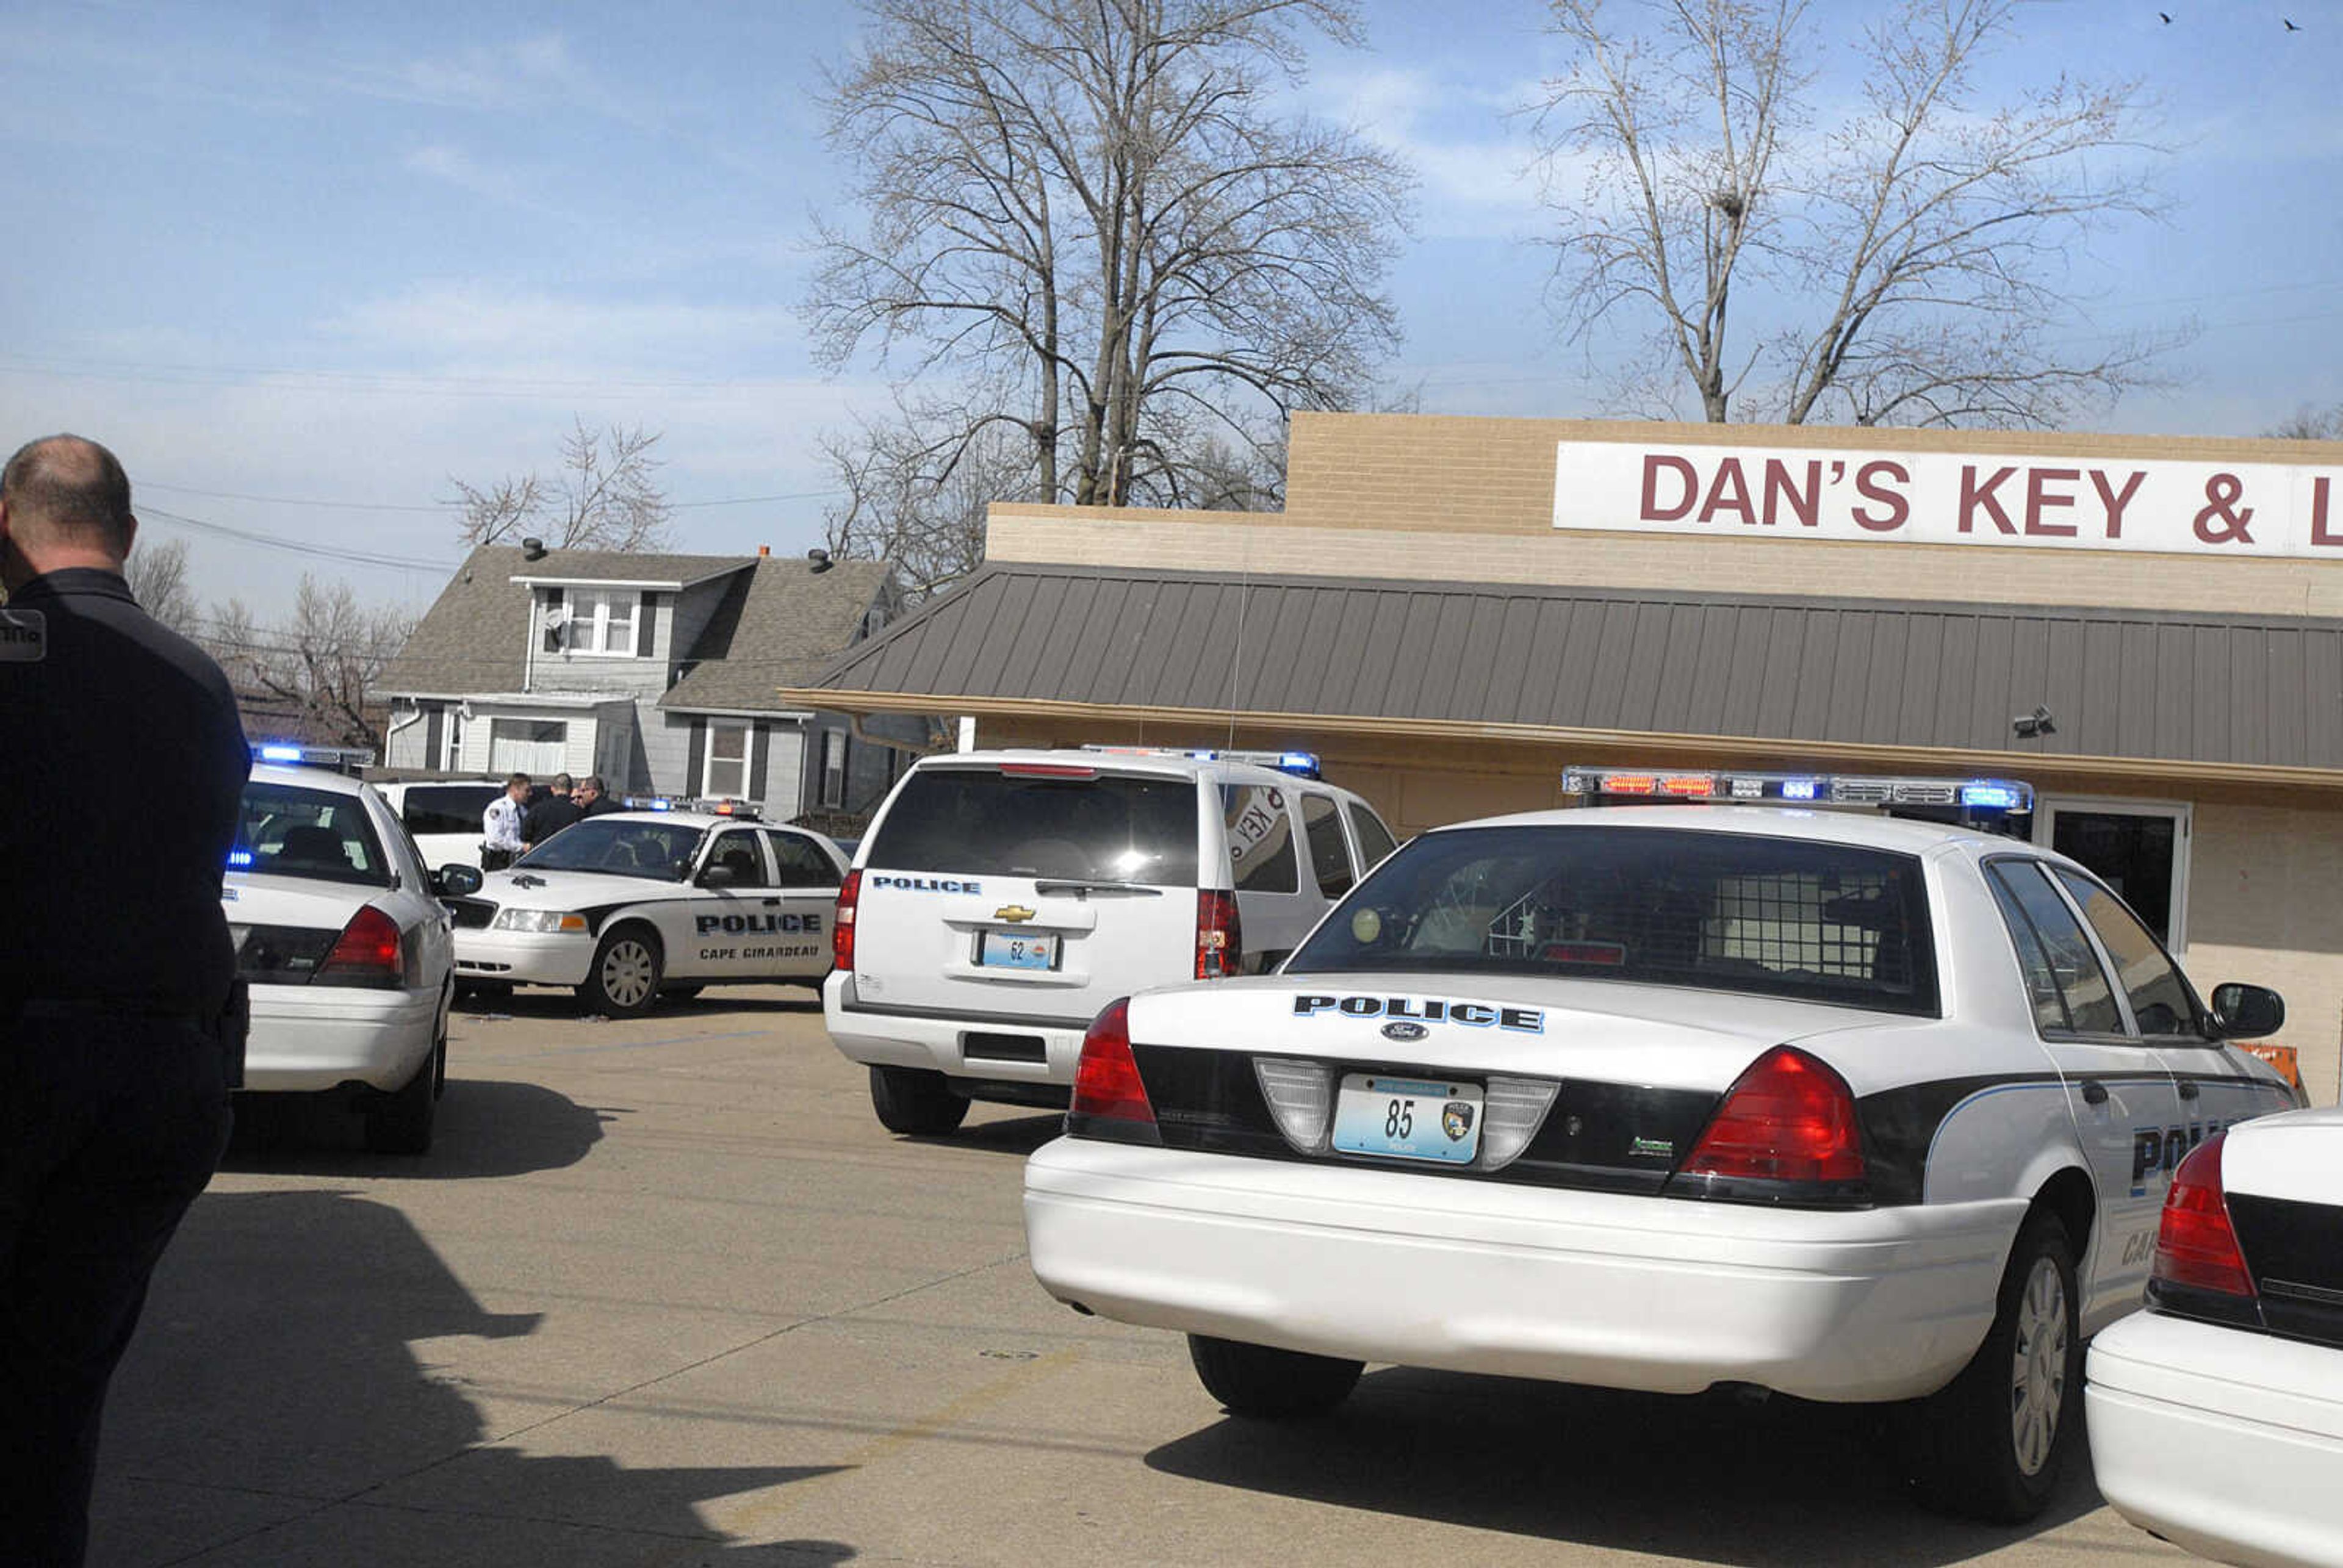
{"points": [[2095, 1094], [2187, 1089], [770, 902]]}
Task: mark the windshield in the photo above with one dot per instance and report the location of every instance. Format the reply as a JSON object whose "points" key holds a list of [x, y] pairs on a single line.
{"points": [[1722, 911], [289, 831], [623, 847], [1116, 828]]}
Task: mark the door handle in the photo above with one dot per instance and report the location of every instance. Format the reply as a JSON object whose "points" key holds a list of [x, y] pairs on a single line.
{"points": [[2094, 1093], [770, 902], [2187, 1089]]}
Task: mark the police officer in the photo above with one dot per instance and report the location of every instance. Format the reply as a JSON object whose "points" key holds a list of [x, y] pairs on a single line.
{"points": [[550, 815], [500, 836], [592, 800], [115, 968]]}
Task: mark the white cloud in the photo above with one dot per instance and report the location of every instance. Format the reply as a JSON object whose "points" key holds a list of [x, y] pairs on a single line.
{"points": [[1473, 160]]}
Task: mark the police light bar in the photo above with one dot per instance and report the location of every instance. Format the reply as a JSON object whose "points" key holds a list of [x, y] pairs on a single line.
{"points": [[1801, 789], [646, 802], [1301, 764], [343, 758]]}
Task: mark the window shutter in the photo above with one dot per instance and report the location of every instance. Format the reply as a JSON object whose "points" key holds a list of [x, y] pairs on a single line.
{"points": [[552, 639], [759, 747], [695, 758]]}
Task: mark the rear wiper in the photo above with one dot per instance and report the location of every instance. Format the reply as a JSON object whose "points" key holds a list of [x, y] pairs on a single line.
{"points": [[1092, 885]]}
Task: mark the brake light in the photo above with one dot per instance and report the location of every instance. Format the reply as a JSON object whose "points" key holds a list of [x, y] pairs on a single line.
{"points": [[2195, 1246], [1107, 1085], [1220, 936], [1046, 770], [1789, 1118], [367, 952], [841, 925]]}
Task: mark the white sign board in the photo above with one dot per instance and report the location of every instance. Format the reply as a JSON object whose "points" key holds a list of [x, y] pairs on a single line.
{"points": [[2174, 505]]}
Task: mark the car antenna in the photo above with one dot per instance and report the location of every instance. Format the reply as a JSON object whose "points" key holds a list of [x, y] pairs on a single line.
{"points": [[1236, 659]]}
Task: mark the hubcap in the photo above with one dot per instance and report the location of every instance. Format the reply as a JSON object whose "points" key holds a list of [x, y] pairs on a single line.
{"points": [[2037, 1373], [627, 973]]}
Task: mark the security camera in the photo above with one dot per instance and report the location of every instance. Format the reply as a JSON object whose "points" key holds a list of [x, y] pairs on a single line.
{"points": [[2038, 722]]}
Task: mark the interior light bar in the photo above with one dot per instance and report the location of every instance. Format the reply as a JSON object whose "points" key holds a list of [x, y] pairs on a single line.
{"points": [[1301, 764], [1801, 788], [345, 759]]}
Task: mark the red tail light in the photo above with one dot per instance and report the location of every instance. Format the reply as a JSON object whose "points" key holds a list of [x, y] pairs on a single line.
{"points": [[1219, 938], [841, 925], [1789, 1118], [367, 952], [1106, 1080], [2195, 1246]]}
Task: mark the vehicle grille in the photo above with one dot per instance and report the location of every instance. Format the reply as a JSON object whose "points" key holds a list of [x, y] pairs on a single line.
{"points": [[472, 914], [2295, 1253]]}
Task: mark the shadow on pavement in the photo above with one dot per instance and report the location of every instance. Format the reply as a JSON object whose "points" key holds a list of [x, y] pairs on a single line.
{"points": [[1704, 1477], [279, 1406], [716, 1001], [1017, 1135], [485, 1128]]}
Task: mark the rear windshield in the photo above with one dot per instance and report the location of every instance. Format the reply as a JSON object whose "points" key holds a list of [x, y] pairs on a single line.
{"points": [[624, 846], [1111, 828], [447, 808], [289, 831], [1720, 911]]}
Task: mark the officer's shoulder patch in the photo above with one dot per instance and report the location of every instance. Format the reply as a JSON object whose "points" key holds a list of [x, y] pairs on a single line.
{"points": [[23, 635]]}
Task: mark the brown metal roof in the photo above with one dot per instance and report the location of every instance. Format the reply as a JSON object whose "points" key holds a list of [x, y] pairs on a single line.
{"points": [[2209, 688]]}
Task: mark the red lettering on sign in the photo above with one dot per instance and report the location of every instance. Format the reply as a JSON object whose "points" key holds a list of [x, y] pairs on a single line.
{"points": [[2040, 497], [1728, 478], [1899, 510], [1973, 495], [2114, 501], [1806, 505], [2319, 533], [1654, 462]]}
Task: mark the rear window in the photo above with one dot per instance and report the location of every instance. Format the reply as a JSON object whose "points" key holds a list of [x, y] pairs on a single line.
{"points": [[1721, 912], [447, 808], [1111, 828], [289, 831], [1260, 838]]}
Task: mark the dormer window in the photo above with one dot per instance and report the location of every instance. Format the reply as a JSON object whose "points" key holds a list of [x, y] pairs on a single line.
{"points": [[597, 622]]}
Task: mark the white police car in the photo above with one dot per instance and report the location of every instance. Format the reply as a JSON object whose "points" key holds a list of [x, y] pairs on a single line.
{"points": [[630, 905], [346, 947], [1001, 899], [2216, 1415], [1665, 1097]]}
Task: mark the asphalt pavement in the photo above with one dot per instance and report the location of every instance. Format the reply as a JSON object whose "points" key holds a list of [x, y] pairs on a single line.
{"points": [[665, 1293]]}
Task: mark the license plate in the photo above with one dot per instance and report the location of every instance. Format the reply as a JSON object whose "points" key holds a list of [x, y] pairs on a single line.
{"points": [[1408, 1118], [1016, 950]]}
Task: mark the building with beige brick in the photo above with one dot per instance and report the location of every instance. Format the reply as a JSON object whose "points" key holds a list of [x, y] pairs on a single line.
{"points": [[1449, 611]]}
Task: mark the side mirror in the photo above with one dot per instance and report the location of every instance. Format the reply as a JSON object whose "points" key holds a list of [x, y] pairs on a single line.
{"points": [[713, 876], [456, 882], [2247, 1011]]}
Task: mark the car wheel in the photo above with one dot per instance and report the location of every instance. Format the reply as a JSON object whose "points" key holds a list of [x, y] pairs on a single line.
{"points": [[624, 981], [914, 1100], [1992, 1443], [400, 1122], [1256, 1380]]}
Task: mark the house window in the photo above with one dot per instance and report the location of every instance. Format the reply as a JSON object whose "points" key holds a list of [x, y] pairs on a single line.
{"points": [[598, 622], [726, 775], [532, 746], [833, 768]]}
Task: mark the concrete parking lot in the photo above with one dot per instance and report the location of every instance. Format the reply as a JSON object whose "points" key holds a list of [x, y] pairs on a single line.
{"points": [[665, 1293]]}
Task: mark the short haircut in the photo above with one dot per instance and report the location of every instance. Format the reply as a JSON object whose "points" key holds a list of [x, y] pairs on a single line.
{"points": [[68, 488], [563, 784], [520, 778], [594, 781]]}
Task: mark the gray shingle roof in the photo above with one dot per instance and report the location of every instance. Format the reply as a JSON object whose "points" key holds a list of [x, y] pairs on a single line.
{"points": [[623, 566], [777, 626], [472, 638], [2240, 689]]}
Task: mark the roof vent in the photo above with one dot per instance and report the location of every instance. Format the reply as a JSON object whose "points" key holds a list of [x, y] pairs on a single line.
{"points": [[532, 550], [820, 558]]}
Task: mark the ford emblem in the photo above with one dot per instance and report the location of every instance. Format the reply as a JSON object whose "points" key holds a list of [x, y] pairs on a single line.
{"points": [[1405, 1032]]}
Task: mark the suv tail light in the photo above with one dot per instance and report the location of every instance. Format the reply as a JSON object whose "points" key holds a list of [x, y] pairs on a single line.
{"points": [[367, 952], [1789, 1118], [1109, 1100], [1220, 938], [841, 925], [2195, 1246]]}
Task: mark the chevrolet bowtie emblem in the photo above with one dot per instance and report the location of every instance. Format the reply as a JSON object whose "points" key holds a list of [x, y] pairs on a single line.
{"points": [[1012, 914]]}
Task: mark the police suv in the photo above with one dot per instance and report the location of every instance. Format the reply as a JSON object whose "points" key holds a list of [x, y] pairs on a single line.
{"points": [[1001, 897], [340, 934], [1664, 1097], [630, 905]]}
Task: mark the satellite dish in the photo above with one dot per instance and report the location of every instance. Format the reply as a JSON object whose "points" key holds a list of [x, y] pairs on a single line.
{"points": [[557, 615]]}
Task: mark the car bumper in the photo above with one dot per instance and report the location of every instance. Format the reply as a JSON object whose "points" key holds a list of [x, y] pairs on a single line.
{"points": [[532, 958], [955, 1045], [1635, 1293], [308, 1037], [2221, 1441]]}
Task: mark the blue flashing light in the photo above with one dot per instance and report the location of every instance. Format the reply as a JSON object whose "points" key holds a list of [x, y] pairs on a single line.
{"points": [[1799, 789], [1304, 763], [1992, 797], [280, 754], [237, 858]]}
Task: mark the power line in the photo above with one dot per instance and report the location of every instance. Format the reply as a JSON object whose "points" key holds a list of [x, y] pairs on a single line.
{"points": [[444, 508], [303, 547]]}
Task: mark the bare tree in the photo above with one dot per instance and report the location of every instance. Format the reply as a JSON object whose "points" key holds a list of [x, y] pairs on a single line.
{"points": [[1902, 260], [322, 662], [157, 574], [2309, 424], [1093, 211], [606, 496], [916, 488]]}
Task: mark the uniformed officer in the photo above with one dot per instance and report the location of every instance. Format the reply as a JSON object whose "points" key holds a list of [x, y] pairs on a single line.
{"points": [[115, 968], [501, 839]]}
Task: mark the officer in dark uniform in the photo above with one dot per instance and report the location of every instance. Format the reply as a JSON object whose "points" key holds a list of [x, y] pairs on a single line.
{"points": [[117, 1040]]}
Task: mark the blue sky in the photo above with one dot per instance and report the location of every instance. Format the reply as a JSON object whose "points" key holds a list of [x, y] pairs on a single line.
{"points": [[298, 264]]}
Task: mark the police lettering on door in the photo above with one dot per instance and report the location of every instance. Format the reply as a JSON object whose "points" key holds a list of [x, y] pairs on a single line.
{"points": [[747, 925], [2160, 1149]]}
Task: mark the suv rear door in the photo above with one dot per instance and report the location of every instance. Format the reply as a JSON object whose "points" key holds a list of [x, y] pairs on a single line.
{"points": [[1036, 891]]}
